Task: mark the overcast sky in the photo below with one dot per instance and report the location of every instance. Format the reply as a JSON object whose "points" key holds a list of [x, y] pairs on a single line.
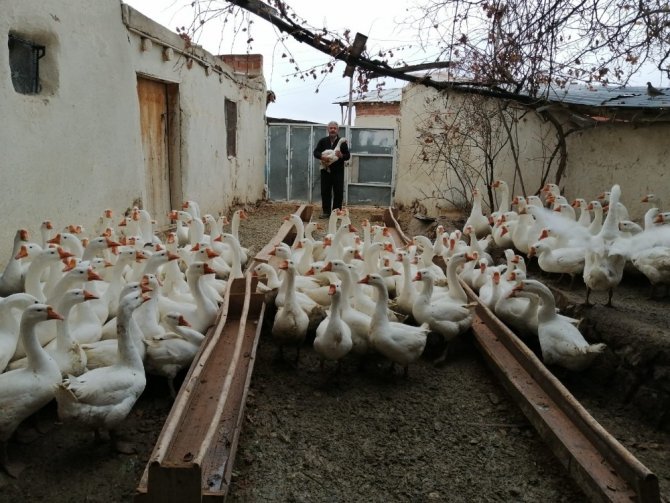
{"points": [[297, 99], [383, 23]]}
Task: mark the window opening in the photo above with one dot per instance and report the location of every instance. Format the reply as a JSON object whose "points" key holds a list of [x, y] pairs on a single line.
{"points": [[231, 128], [24, 57]]}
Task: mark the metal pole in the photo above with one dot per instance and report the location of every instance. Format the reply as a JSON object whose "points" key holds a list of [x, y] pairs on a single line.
{"points": [[349, 106]]}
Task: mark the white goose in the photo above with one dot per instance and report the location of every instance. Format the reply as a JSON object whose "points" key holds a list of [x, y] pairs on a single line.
{"points": [[654, 263], [426, 257], [518, 312], [238, 216], [654, 200], [105, 353], [331, 154], [358, 322], [103, 397], [65, 350], [584, 214], [477, 219], [148, 315], [238, 254], [9, 324], [70, 242], [478, 246], [299, 227], [503, 229], [597, 221], [604, 265], [562, 260], [27, 254], [523, 226], [46, 229], [504, 205], [200, 315], [333, 336], [617, 205], [561, 342], [290, 322], [408, 293], [41, 263], [25, 391], [11, 280], [167, 354], [448, 319], [402, 344], [91, 328], [103, 222]]}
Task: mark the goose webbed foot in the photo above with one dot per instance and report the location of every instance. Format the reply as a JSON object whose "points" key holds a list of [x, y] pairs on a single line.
{"points": [[586, 302], [12, 468], [609, 298]]}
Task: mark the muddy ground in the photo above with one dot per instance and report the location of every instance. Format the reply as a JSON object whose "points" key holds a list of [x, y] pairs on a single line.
{"points": [[446, 433]]}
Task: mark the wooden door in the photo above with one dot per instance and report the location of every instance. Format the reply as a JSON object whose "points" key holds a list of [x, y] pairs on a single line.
{"points": [[153, 99]]}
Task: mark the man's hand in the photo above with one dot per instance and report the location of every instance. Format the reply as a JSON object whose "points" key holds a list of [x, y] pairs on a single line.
{"points": [[338, 154]]}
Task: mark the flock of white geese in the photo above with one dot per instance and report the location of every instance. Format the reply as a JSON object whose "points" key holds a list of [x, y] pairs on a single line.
{"points": [[83, 319], [125, 303], [353, 290]]}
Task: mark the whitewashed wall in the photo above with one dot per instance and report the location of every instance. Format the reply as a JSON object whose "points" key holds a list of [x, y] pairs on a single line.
{"points": [[377, 121], [633, 156], [75, 148]]}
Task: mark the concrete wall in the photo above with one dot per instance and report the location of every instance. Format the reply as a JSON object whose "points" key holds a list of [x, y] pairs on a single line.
{"points": [[75, 148], [634, 156], [630, 155]]}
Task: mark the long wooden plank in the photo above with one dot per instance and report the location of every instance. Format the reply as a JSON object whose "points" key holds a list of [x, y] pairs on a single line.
{"points": [[171, 474], [218, 468], [600, 465], [285, 234], [604, 469], [194, 455]]}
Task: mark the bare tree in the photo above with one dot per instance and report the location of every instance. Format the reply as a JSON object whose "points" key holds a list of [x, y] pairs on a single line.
{"points": [[515, 50], [510, 48], [525, 46]]}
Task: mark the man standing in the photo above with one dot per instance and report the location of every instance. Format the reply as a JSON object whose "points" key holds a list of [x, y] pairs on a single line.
{"points": [[332, 176]]}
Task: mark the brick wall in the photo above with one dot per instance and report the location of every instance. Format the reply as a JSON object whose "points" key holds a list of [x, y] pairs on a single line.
{"points": [[366, 109], [250, 64]]}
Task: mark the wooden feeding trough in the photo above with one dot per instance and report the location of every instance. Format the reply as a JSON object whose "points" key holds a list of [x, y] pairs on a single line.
{"points": [[194, 455]]}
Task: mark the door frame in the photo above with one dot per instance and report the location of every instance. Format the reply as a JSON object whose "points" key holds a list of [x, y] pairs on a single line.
{"points": [[173, 139]]}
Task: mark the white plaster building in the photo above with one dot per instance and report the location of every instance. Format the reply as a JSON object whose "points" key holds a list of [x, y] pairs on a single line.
{"points": [[120, 112], [617, 136]]}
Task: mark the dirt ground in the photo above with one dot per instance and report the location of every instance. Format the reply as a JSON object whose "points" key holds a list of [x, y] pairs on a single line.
{"points": [[446, 433]]}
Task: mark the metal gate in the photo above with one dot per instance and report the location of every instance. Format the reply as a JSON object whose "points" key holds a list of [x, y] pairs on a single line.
{"points": [[292, 172]]}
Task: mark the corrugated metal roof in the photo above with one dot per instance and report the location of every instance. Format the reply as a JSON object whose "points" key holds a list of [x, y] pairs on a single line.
{"points": [[613, 97], [383, 96], [601, 96]]}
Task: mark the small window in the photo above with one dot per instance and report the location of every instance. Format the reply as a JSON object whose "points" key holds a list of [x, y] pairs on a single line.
{"points": [[24, 57], [231, 128]]}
